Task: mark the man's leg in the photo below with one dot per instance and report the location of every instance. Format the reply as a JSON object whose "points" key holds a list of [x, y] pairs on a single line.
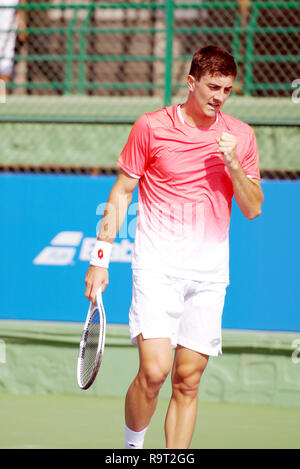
{"points": [[141, 399], [182, 412]]}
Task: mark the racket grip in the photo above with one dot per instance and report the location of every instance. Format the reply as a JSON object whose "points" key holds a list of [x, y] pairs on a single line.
{"points": [[100, 256]]}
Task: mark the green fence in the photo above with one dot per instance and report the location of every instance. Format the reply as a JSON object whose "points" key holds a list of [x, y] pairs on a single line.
{"points": [[77, 64]]}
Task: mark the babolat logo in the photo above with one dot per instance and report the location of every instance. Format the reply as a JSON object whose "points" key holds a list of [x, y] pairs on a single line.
{"points": [[64, 246]]}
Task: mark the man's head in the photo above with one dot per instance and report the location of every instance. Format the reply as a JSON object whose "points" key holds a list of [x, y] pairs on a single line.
{"points": [[212, 60], [210, 80]]}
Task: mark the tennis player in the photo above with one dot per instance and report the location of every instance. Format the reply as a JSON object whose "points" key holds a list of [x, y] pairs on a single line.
{"points": [[188, 160]]}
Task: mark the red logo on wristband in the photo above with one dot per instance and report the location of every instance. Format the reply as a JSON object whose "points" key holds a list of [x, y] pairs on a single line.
{"points": [[100, 253]]}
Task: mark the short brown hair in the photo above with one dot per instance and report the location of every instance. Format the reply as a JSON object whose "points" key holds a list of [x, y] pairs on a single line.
{"points": [[213, 60]]}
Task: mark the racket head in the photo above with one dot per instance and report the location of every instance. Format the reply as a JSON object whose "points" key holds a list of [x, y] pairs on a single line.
{"points": [[92, 343]]}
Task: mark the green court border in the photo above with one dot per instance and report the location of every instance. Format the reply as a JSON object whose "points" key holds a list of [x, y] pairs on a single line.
{"points": [[256, 367]]}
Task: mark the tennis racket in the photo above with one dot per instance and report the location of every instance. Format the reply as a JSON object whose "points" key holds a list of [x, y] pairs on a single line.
{"points": [[92, 342]]}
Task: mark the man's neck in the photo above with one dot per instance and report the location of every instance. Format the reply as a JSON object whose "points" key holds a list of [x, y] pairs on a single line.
{"points": [[194, 118]]}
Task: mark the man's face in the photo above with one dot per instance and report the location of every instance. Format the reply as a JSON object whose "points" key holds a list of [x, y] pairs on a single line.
{"points": [[210, 92]]}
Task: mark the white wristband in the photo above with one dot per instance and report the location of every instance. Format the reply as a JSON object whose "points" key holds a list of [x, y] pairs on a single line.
{"points": [[100, 256]]}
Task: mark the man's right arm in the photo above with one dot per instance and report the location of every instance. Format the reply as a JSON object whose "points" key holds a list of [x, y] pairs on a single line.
{"points": [[112, 220]]}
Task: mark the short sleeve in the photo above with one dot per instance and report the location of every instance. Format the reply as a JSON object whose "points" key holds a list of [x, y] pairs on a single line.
{"points": [[135, 154], [250, 163]]}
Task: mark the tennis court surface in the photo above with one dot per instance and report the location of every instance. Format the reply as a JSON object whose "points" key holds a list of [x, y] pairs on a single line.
{"points": [[61, 421], [75, 422], [249, 397]]}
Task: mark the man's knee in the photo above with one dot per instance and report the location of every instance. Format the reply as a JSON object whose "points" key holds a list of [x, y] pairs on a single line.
{"points": [[155, 364], [152, 377], [186, 379]]}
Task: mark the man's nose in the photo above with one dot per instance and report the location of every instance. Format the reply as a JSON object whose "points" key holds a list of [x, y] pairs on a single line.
{"points": [[219, 95]]}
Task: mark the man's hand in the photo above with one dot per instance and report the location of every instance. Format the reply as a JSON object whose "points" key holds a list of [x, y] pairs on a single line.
{"points": [[95, 278], [227, 146], [247, 192]]}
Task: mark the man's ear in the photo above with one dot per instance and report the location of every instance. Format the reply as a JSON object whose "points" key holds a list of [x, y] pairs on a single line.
{"points": [[191, 82]]}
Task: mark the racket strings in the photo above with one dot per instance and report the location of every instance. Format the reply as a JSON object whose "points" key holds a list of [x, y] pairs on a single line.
{"points": [[91, 348]]}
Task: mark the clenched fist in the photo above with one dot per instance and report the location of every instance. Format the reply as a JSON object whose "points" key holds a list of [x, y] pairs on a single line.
{"points": [[227, 146]]}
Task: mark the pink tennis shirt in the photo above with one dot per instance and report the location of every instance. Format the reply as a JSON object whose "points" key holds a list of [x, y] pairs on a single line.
{"points": [[185, 192]]}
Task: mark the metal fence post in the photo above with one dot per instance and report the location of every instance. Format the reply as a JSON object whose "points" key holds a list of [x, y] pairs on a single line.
{"points": [[250, 52], [169, 52], [69, 53], [82, 50]]}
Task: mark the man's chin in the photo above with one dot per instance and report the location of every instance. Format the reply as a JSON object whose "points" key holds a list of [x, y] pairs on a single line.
{"points": [[212, 111]]}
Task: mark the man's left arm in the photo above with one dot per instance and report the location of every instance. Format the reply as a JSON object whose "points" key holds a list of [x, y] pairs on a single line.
{"points": [[247, 191]]}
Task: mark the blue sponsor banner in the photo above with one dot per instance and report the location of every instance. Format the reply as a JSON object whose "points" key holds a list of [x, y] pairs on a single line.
{"points": [[49, 225]]}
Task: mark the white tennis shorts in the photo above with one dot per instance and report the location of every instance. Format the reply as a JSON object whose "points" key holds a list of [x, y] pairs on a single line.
{"points": [[188, 312]]}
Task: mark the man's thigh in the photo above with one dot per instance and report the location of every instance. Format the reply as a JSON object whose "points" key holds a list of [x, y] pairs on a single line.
{"points": [[188, 366]]}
